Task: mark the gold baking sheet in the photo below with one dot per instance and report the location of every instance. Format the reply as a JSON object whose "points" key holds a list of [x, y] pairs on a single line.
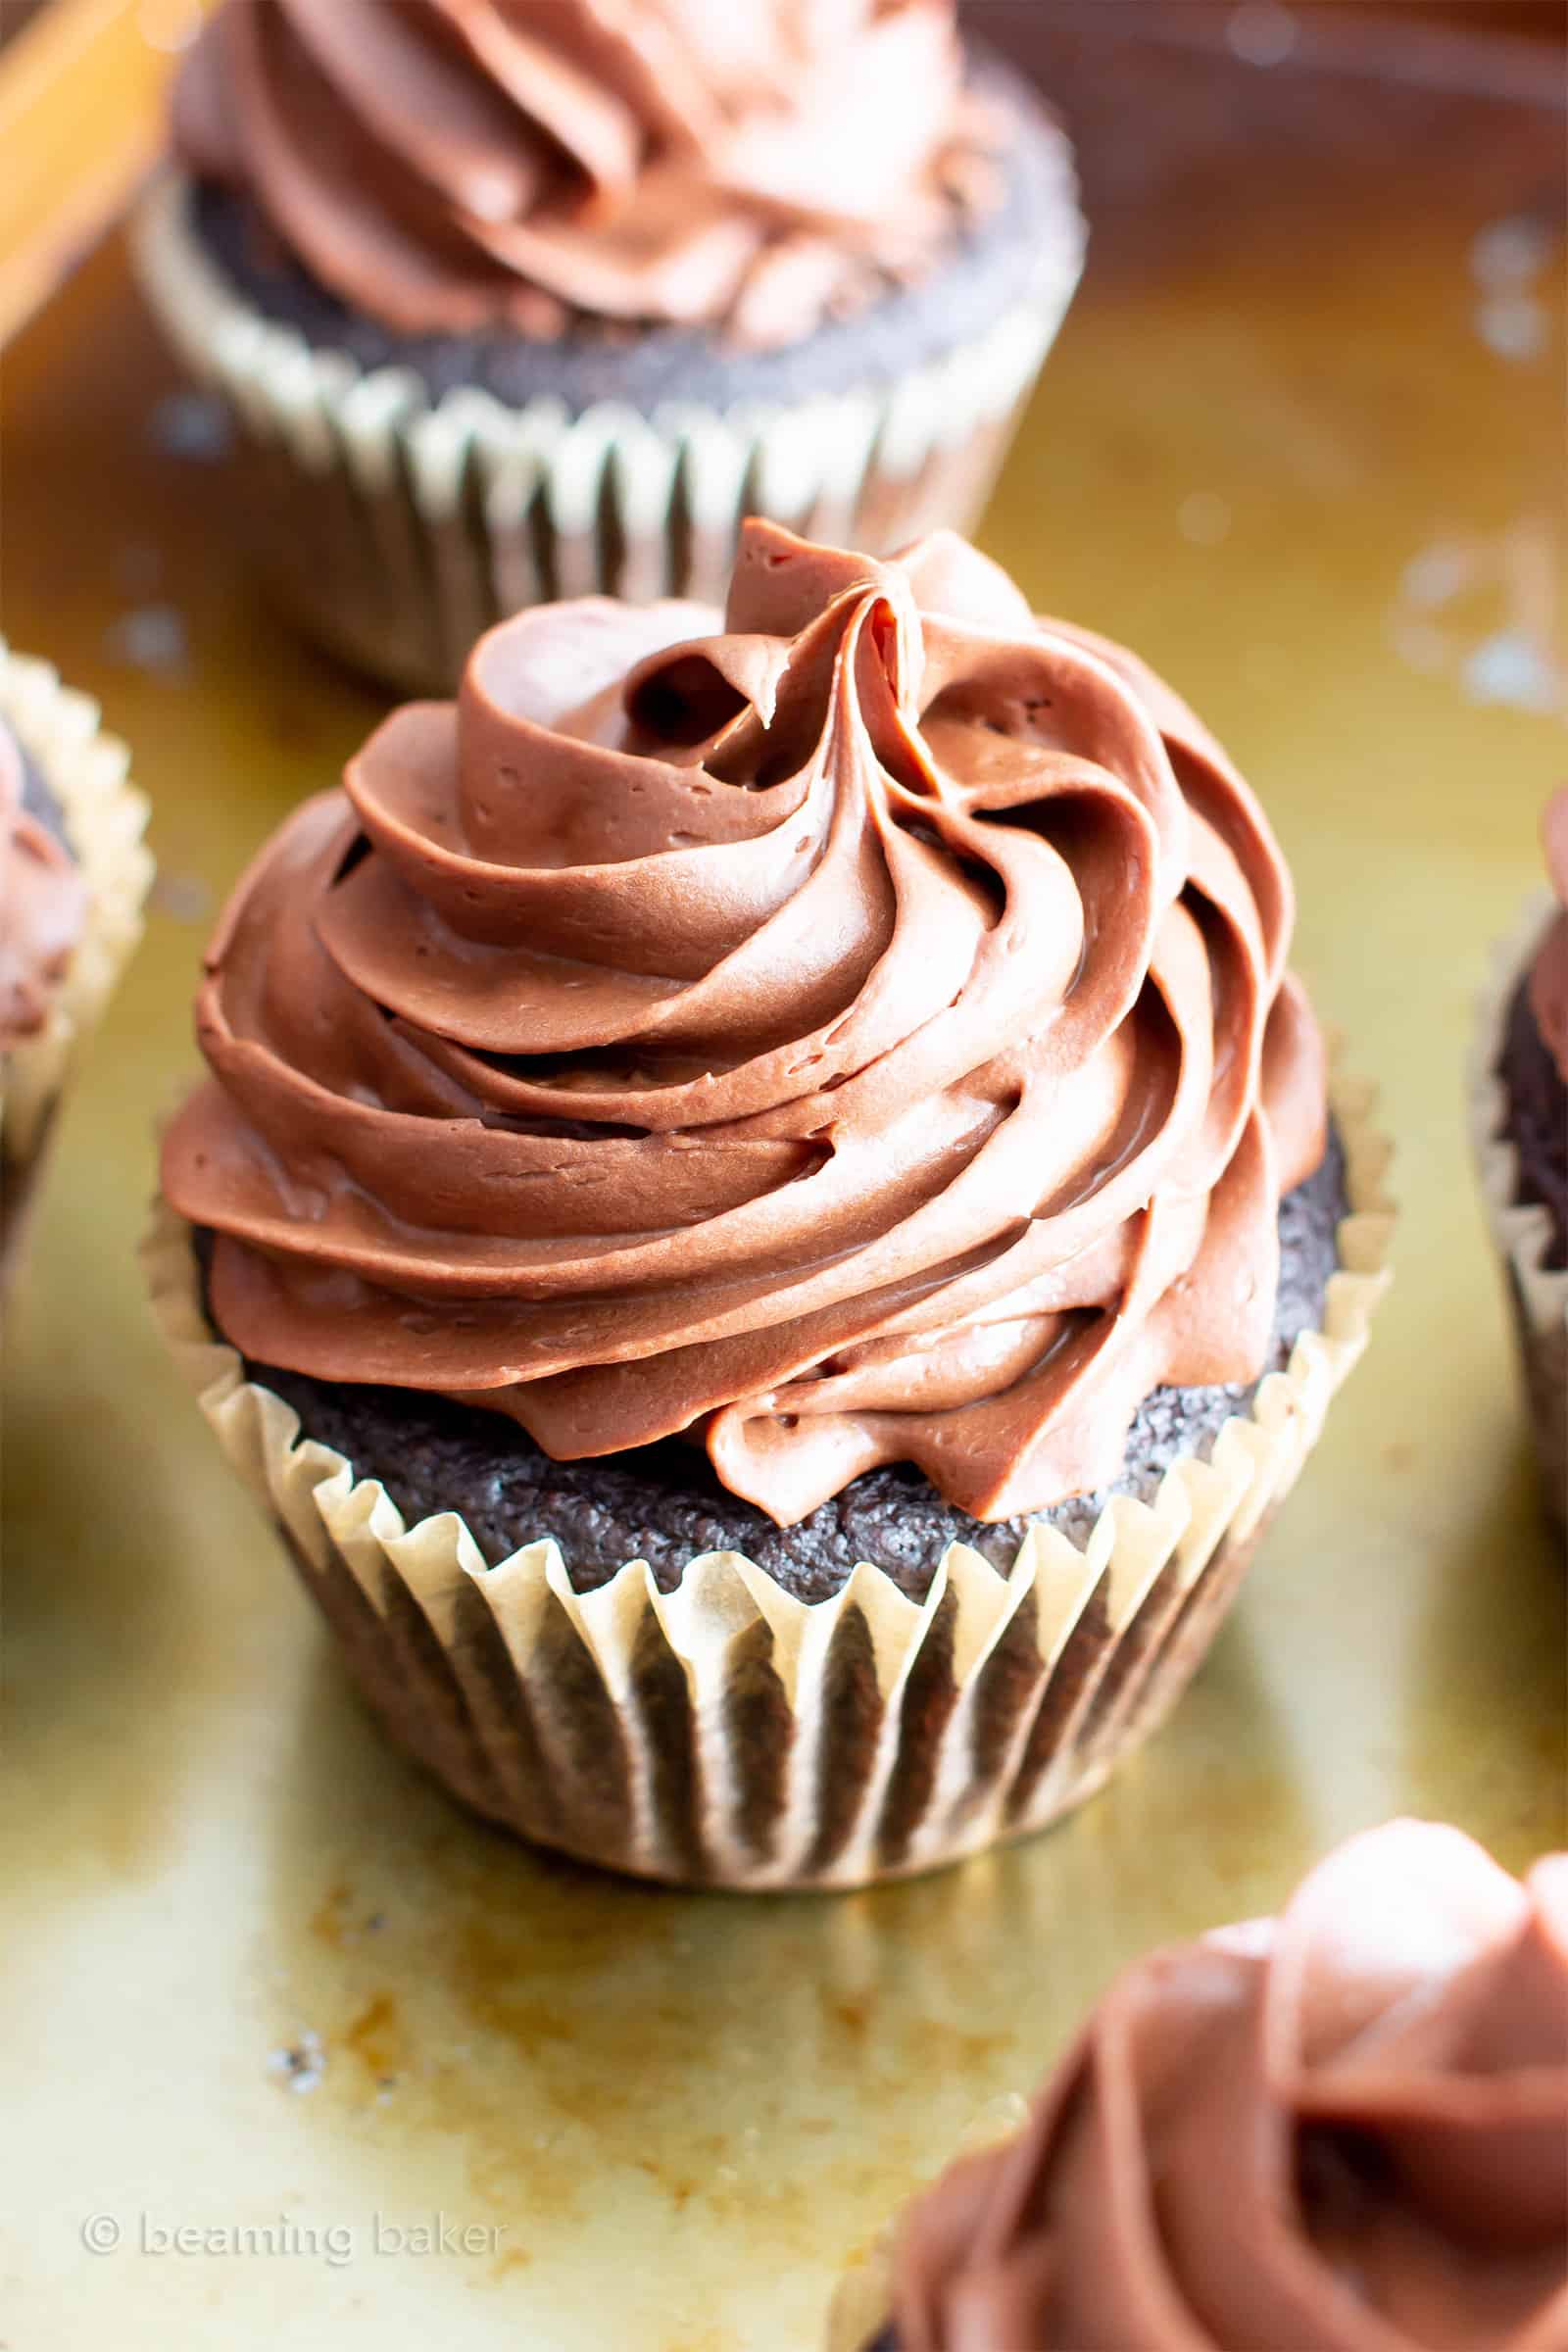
{"points": [[1299, 443]]}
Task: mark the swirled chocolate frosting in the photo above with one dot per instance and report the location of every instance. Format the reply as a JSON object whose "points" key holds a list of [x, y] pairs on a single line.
{"points": [[1345, 2131], [854, 1029], [450, 165], [1548, 979], [42, 906]]}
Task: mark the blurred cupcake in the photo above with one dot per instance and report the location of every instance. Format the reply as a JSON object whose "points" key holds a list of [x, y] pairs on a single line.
{"points": [[1519, 1129], [766, 1214], [1341, 2131], [521, 303], [72, 877]]}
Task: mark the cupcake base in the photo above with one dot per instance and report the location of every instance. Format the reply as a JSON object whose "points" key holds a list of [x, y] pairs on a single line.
{"points": [[725, 1731], [405, 494], [1519, 1136], [1536, 1120], [563, 1768]]}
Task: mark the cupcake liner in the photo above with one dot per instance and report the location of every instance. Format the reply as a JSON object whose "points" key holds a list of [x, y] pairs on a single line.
{"points": [[1521, 1232], [87, 772], [726, 1733], [424, 522]]}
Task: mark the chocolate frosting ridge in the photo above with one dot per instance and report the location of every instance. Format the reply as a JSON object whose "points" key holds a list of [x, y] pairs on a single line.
{"points": [[1548, 978], [853, 1030], [449, 165], [1345, 2131], [42, 905]]}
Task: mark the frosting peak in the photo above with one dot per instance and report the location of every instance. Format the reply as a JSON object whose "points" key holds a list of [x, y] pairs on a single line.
{"points": [[449, 165], [42, 906], [850, 1029], [1345, 2131], [1548, 980]]}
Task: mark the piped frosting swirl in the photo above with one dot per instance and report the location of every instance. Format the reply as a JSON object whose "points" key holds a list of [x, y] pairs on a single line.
{"points": [[856, 1029], [1345, 2131], [42, 906], [446, 166]]}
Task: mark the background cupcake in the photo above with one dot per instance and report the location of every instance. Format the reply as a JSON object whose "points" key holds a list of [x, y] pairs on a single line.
{"points": [[73, 878], [768, 1231], [1344, 2129], [1519, 1124], [512, 309]]}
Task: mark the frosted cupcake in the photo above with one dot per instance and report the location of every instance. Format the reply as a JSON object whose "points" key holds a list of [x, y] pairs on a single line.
{"points": [[1341, 2131], [515, 304], [766, 1211], [73, 878], [1519, 1125]]}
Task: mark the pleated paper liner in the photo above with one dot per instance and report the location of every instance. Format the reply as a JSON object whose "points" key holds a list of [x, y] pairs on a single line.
{"points": [[87, 772], [728, 1734], [1521, 1232], [396, 531]]}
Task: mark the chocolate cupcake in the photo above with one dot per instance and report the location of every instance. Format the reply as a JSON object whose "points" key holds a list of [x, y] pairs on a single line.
{"points": [[1341, 2131], [72, 877], [521, 304], [766, 1214], [1519, 1130]]}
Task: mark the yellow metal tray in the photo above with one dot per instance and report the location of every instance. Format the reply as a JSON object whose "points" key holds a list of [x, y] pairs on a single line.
{"points": [[261, 1983]]}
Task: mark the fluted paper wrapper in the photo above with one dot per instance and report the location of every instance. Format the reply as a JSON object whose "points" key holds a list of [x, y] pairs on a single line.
{"points": [[88, 773], [1522, 1232], [726, 1733], [396, 531]]}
